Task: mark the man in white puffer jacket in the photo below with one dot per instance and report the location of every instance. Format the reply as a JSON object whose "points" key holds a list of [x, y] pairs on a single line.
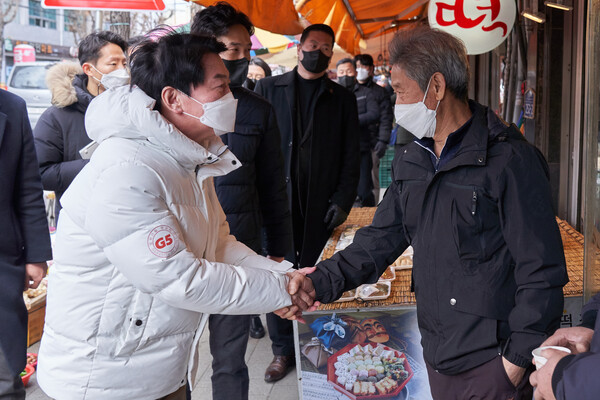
{"points": [[143, 251]]}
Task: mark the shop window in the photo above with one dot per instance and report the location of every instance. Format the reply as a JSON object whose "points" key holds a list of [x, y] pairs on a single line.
{"points": [[38, 16]]}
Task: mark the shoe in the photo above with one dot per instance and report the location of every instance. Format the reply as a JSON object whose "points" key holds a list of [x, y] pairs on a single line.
{"points": [[279, 368], [256, 328]]}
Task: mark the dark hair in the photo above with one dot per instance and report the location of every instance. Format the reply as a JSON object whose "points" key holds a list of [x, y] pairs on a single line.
{"points": [[364, 59], [422, 51], [345, 61], [261, 63], [216, 20], [136, 40], [175, 60], [90, 46], [318, 28]]}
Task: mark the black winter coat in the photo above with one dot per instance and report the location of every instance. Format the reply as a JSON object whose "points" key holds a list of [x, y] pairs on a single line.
{"points": [[383, 129], [59, 135], [368, 115], [488, 268], [254, 195], [576, 376], [334, 163], [23, 218]]}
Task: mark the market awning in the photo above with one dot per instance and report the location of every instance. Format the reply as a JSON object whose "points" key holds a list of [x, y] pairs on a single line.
{"points": [[277, 16], [354, 21]]}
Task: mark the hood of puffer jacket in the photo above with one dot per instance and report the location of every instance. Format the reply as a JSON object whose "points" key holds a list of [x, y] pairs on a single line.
{"points": [[66, 85], [127, 112]]}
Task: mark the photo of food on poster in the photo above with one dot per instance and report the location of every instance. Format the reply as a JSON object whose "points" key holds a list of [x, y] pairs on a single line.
{"points": [[362, 355]]}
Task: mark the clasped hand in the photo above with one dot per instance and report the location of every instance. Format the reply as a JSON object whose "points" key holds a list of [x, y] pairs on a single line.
{"points": [[302, 292]]}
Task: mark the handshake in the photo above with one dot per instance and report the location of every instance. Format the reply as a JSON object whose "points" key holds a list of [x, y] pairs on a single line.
{"points": [[302, 292]]}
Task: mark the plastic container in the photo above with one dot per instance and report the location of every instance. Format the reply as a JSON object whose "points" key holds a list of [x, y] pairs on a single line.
{"points": [[348, 295], [29, 369], [374, 291]]}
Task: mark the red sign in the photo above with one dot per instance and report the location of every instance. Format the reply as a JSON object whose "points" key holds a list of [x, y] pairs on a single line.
{"points": [[24, 53], [481, 24], [120, 5]]}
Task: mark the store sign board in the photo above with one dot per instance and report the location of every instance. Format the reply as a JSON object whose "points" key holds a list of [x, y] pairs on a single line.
{"points": [[24, 53], [394, 327], [115, 5], [481, 24], [529, 104]]}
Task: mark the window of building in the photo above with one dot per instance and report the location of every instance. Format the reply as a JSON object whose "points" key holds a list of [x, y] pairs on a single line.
{"points": [[38, 16]]}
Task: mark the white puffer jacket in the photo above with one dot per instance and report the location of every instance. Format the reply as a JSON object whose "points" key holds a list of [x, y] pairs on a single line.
{"points": [[142, 251]]}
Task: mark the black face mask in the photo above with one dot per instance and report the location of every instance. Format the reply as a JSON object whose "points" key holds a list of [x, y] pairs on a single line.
{"points": [[315, 61], [238, 71], [249, 84], [347, 81]]}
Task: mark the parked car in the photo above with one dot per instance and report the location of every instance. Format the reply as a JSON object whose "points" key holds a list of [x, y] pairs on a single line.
{"points": [[28, 80]]}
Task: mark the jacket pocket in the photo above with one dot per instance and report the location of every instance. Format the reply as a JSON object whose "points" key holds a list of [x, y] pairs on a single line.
{"points": [[134, 324], [465, 217]]}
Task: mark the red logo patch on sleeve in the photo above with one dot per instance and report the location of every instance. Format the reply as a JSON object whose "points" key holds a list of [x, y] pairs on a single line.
{"points": [[163, 241]]}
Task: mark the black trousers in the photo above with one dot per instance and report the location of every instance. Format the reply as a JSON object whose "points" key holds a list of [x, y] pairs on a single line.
{"points": [[281, 332], [365, 181], [485, 382], [11, 386], [228, 342]]}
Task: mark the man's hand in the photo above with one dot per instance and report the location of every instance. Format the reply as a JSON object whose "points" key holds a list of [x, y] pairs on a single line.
{"points": [[34, 273], [541, 379], [380, 148], [576, 339], [335, 216], [276, 259], [515, 373], [302, 292]]}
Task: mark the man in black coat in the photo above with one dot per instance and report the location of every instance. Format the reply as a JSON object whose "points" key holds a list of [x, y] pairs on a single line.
{"points": [[25, 246], [472, 197], [383, 129], [318, 120], [60, 132], [253, 197], [368, 116], [572, 376]]}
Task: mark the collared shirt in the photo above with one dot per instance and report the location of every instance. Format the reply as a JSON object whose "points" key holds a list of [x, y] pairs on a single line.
{"points": [[451, 146]]}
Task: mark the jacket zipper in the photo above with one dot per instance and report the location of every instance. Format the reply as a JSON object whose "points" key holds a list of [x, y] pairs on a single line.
{"points": [[474, 203]]}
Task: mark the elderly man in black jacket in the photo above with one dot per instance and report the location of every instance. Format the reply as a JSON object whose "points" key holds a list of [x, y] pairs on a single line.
{"points": [[253, 197], [319, 127], [25, 246], [473, 199]]}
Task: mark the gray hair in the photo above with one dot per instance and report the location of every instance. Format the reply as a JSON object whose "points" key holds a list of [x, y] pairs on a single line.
{"points": [[422, 51]]}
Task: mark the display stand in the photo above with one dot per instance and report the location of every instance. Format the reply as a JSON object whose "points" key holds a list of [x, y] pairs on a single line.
{"points": [[396, 315]]}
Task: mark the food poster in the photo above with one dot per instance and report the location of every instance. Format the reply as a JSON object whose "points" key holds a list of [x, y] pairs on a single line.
{"points": [[362, 355]]}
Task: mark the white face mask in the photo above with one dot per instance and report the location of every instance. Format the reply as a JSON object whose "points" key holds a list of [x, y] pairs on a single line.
{"points": [[417, 118], [118, 77], [362, 74], [218, 114]]}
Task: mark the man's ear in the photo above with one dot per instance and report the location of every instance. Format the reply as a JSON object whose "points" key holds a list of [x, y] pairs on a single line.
{"points": [[171, 99], [88, 69], [438, 83]]}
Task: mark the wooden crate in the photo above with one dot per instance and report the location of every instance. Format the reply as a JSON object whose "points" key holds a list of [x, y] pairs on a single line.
{"points": [[37, 316]]}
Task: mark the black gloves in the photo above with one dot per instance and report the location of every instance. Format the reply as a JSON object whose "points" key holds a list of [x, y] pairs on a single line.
{"points": [[335, 216], [380, 148]]}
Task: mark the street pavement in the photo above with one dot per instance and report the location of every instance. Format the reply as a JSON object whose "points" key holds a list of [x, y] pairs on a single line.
{"points": [[258, 356]]}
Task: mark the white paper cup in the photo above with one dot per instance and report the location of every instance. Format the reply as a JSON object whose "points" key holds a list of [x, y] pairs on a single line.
{"points": [[540, 360]]}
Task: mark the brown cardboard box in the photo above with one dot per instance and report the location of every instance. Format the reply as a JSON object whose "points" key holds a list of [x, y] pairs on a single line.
{"points": [[37, 314]]}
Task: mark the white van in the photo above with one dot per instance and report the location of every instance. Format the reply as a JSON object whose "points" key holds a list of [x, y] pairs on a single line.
{"points": [[28, 80]]}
